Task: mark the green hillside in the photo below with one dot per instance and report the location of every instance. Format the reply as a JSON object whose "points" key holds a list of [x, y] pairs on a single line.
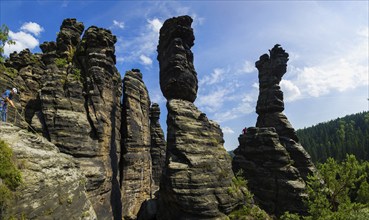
{"points": [[336, 138]]}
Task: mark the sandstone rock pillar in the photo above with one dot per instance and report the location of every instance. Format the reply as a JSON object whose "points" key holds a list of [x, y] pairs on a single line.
{"points": [[197, 177]]}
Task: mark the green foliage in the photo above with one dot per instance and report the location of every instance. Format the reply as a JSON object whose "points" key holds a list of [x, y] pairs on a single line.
{"points": [[11, 72], [61, 62], [336, 138], [339, 191], [248, 211], [76, 74], [9, 174], [4, 39], [70, 53]]}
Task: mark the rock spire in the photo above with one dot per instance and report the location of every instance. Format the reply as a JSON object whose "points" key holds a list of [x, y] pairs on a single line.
{"points": [[197, 177]]}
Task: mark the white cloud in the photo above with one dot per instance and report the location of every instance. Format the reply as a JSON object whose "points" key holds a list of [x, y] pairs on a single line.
{"points": [[155, 25], [32, 27], [214, 100], [120, 59], [22, 41], [145, 60], [143, 46], [247, 67], [227, 130], [215, 77], [246, 106], [290, 91], [118, 24]]}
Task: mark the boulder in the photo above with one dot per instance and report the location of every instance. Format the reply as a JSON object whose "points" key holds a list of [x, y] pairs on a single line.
{"points": [[178, 78]]}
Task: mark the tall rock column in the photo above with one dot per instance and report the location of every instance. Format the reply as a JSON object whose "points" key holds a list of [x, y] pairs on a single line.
{"points": [[270, 106], [102, 90], [135, 165], [158, 145], [274, 163], [197, 177]]}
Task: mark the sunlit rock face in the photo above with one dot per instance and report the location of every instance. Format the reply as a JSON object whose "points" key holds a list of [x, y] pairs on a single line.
{"points": [[136, 167], [70, 94]]}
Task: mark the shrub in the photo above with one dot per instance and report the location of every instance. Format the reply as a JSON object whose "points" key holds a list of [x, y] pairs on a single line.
{"points": [[9, 174], [61, 62]]}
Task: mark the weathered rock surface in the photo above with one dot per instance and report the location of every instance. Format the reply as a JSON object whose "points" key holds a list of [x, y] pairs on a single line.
{"points": [[52, 185], [158, 145], [266, 164], [196, 181], [71, 95], [198, 173], [136, 177], [270, 106], [178, 78], [275, 164]]}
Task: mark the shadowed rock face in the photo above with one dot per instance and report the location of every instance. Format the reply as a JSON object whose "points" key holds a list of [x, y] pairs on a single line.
{"points": [[178, 78], [158, 145], [197, 177], [275, 183], [270, 106], [71, 95], [136, 177]]}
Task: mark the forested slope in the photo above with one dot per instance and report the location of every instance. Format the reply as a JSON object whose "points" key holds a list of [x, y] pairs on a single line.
{"points": [[336, 138]]}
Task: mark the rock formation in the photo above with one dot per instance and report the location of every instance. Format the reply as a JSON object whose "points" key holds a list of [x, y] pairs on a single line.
{"points": [[197, 177], [178, 78], [158, 145], [136, 179], [71, 94], [274, 163], [52, 186], [270, 106], [274, 181]]}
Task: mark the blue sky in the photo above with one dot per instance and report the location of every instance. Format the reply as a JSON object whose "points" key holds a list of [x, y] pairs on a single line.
{"points": [[327, 74]]}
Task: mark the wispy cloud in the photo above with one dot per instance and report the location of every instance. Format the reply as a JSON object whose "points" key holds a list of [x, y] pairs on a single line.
{"points": [[247, 67], [346, 68], [118, 24], [145, 60], [227, 130], [216, 76]]}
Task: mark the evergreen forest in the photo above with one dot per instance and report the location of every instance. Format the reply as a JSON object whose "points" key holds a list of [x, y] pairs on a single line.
{"points": [[336, 138]]}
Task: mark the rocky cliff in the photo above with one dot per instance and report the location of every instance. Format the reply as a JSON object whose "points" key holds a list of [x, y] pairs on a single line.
{"points": [[71, 94], [274, 163], [52, 185], [197, 176], [136, 176]]}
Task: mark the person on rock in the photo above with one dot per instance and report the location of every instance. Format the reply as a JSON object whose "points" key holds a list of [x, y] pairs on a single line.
{"points": [[6, 97], [244, 130]]}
